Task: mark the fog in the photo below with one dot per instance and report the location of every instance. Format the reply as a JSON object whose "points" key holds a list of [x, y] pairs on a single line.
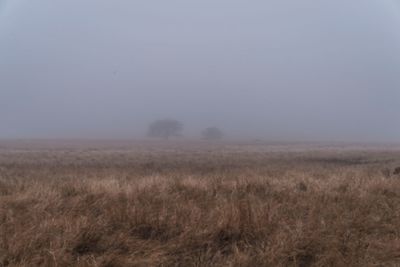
{"points": [[276, 70]]}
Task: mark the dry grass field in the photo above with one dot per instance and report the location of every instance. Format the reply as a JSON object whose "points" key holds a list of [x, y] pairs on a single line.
{"points": [[198, 204]]}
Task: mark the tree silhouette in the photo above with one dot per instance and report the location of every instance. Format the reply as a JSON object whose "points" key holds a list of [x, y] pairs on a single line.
{"points": [[165, 128]]}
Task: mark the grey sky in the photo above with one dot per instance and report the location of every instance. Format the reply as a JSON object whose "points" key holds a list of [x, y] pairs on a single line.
{"points": [[310, 69]]}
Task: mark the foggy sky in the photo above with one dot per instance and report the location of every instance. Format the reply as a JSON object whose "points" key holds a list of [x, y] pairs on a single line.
{"points": [[315, 70]]}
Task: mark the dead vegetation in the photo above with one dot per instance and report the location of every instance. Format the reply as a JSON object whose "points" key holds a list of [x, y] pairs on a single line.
{"points": [[206, 207]]}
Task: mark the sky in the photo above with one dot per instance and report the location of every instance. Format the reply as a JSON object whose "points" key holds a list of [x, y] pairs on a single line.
{"points": [[273, 69]]}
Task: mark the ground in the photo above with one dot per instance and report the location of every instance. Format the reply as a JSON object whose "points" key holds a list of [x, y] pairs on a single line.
{"points": [[126, 203]]}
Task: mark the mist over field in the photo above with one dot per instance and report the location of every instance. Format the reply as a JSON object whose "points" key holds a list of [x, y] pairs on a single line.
{"points": [[294, 70], [205, 133]]}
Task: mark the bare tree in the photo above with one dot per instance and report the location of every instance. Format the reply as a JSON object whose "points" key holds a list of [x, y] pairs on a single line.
{"points": [[165, 128], [212, 133]]}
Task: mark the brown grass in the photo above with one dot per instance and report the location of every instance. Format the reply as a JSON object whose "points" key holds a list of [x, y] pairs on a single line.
{"points": [[212, 205]]}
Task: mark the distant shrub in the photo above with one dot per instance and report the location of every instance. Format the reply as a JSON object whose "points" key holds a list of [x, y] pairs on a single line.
{"points": [[212, 133]]}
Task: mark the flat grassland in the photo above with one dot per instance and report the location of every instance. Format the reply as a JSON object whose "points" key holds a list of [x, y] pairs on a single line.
{"points": [[198, 204]]}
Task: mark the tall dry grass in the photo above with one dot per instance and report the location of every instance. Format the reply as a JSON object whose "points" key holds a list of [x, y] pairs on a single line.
{"points": [[198, 207]]}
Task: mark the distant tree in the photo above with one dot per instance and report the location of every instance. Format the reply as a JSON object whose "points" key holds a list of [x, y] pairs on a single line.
{"points": [[212, 133], [165, 128]]}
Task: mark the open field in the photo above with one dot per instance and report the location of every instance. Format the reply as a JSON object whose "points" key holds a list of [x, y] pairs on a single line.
{"points": [[198, 204]]}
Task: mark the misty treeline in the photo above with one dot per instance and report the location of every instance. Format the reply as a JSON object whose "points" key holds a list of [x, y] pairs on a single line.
{"points": [[166, 128]]}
